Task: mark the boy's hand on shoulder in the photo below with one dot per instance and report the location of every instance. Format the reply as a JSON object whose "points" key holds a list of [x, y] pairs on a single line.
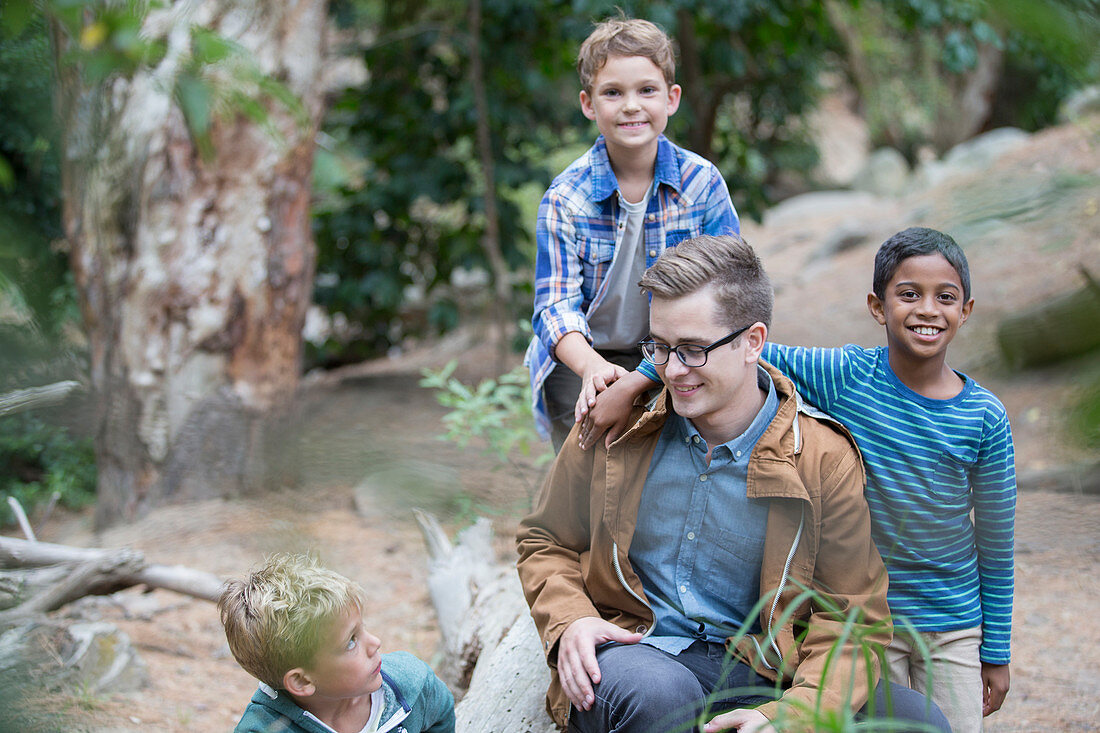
{"points": [[610, 412], [596, 378], [995, 681]]}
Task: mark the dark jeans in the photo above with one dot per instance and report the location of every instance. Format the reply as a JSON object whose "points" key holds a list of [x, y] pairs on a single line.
{"points": [[562, 387], [645, 690]]}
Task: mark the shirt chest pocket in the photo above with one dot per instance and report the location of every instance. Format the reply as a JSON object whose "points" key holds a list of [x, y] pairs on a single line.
{"points": [[596, 255], [674, 237], [951, 481]]}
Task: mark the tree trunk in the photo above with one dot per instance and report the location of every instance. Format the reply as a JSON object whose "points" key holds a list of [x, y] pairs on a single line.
{"points": [[193, 274], [502, 290]]}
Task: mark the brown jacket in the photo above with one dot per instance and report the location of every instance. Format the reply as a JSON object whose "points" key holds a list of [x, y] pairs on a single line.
{"points": [[574, 552]]}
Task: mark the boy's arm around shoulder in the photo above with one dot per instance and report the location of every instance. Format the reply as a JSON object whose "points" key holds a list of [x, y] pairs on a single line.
{"points": [[551, 542]]}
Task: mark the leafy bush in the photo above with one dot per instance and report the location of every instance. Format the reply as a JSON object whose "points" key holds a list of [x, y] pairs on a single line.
{"points": [[38, 459], [497, 412]]}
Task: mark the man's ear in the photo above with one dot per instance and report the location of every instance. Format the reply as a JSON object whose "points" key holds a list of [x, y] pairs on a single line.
{"points": [[586, 105], [298, 683], [874, 304], [754, 341]]}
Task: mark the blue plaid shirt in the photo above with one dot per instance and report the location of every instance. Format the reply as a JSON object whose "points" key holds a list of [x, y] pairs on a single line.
{"points": [[580, 225]]}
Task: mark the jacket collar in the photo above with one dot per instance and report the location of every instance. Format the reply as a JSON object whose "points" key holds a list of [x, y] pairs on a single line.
{"points": [[604, 183]]}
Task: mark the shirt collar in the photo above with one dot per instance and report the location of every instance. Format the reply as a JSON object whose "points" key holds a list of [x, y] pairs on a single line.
{"points": [[604, 183], [746, 441]]}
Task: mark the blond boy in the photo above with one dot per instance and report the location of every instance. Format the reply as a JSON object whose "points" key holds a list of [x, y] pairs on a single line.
{"points": [[298, 628]]}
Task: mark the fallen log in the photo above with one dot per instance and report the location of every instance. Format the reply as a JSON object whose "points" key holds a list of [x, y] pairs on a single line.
{"points": [[38, 577], [492, 653]]}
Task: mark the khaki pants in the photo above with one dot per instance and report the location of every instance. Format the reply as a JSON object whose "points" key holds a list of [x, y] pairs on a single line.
{"points": [[951, 674]]}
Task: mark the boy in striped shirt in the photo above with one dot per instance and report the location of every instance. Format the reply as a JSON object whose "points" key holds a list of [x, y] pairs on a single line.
{"points": [[937, 447]]}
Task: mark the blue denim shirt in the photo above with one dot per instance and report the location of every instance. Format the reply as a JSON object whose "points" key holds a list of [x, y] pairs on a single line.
{"points": [[699, 540]]}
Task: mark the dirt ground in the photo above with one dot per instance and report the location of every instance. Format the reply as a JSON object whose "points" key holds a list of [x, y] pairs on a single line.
{"points": [[373, 422]]}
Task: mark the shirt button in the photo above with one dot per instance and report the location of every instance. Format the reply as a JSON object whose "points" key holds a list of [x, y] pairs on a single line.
{"points": [[695, 438], [691, 535], [653, 217], [652, 253], [738, 454], [683, 589], [702, 477]]}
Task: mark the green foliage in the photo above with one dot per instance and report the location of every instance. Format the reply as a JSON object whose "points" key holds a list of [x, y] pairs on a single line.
{"points": [[917, 50], [852, 632], [496, 411], [219, 78], [413, 213], [32, 269], [38, 459]]}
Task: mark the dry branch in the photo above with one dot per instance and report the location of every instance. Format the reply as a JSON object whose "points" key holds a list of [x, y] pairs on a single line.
{"points": [[27, 399], [41, 576]]}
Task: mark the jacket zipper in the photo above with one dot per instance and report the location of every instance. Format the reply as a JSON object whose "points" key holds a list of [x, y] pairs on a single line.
{"points": [[622, 580]]}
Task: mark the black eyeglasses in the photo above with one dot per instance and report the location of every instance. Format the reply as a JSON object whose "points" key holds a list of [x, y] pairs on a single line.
{"points": [[690, 355]]}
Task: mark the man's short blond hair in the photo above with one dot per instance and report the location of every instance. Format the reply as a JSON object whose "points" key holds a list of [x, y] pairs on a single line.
{"points": [[276, 619], [725, 263], [623, 36]]}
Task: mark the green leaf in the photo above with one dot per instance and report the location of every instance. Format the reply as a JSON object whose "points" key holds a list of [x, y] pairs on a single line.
{"points": [[208, 47], [196, 102]]}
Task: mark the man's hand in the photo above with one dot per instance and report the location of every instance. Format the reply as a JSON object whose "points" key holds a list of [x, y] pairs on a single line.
{"points": [[577, 666], [741, 720], [610, 411], [994, 687]]}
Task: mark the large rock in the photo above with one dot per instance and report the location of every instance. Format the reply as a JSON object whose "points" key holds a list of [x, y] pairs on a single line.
{"points": [[967, 158], [886, 173], [821, 204]]}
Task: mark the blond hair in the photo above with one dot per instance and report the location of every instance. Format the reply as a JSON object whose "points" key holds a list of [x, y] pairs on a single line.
{"points": [[623, 36], [725, 263], [277, 617]]}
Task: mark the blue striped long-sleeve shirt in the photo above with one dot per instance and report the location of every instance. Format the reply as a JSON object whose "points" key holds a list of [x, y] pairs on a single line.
{"points": [[580, 226], [929, 464]]}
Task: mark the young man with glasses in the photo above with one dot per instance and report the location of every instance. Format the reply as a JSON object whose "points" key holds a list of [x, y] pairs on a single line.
{"points": [[716, 510]]}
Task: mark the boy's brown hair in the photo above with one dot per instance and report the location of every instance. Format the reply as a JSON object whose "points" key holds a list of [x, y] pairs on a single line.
{"points": [[276, 618], [623, 36]]}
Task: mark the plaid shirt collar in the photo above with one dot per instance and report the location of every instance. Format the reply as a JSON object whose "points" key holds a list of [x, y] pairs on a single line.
{"points": [[604, 184]]}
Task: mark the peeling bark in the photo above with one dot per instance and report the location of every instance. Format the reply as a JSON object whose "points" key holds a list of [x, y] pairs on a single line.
{"points": [[194, 275]]}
